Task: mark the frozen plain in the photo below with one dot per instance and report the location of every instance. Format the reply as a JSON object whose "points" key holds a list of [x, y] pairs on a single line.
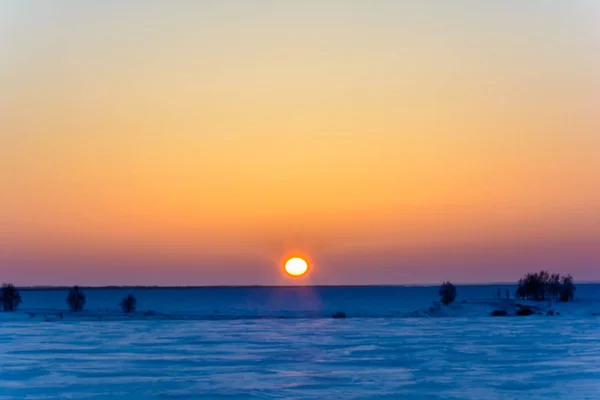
{"points": [[265, 343]]}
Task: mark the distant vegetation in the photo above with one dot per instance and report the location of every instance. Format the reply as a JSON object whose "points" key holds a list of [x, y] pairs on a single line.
{"points": [[541, 286], [128, 304], [10, 297], [76, 299], [447, 293]]}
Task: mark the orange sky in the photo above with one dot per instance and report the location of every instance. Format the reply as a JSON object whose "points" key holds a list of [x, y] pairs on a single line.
{"points": [[200, 142]]}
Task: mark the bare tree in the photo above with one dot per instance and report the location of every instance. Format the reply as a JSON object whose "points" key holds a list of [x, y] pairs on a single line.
{"points": [[76, 299], [567, 289], [129, 304], [447, 293], [10, 297]]}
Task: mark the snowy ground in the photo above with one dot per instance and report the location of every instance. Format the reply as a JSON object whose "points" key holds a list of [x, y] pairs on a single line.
{"points": [[421, 358], [456, 353]]}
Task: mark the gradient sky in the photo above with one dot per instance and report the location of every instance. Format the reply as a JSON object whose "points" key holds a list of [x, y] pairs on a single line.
{"points": [[201, 142]]}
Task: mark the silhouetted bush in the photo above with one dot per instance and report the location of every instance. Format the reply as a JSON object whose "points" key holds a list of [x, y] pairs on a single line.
{"points": [[10, 297], [523, 312], [499, 313], [128, 304], [542, 286], [447, 293], [338, 315], [76, 299]]}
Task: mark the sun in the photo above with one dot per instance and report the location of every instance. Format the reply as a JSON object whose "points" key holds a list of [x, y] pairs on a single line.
{"points": [[296, 266]]}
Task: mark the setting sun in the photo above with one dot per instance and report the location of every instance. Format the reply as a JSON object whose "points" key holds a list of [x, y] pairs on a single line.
{"points": [[296, 266]]}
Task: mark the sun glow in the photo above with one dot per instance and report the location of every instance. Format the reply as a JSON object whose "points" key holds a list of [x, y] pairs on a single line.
{"points": [[296, 266]]}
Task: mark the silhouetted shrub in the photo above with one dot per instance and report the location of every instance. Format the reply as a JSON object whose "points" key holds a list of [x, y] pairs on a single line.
{"points": [[542, 286], [10, 297], [76, 299], [128, 304], [499, 313], [339, 314], [524, 312], [447, 293]]}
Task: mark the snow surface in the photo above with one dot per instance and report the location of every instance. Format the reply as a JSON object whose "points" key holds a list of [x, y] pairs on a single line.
{"points": [[236, 344]]}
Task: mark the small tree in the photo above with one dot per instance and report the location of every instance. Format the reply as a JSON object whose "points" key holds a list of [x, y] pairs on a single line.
{"points": [[447, 293], [554, 286], [128, 304], [567, 289], [76, 299], [521, 292], [10, 297]]}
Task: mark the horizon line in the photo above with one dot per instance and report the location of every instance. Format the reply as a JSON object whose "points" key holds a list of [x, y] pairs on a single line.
{"points": [[58, 287]]}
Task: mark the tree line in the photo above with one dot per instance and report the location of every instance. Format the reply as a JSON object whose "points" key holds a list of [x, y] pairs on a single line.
{"points": [[538, 286], [10, 299], [541, 286]]}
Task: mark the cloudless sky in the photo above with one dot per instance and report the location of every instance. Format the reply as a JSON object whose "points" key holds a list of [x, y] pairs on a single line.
{"points": [[202, 142]]}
